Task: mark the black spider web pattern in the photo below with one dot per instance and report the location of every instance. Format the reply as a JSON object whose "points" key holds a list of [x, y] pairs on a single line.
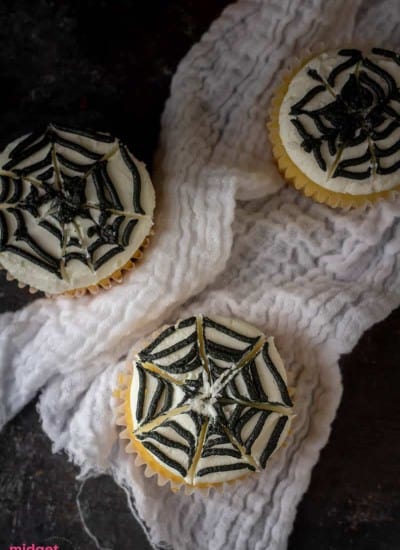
{"points": [[53, 193], [364, 111], [242, 408]]}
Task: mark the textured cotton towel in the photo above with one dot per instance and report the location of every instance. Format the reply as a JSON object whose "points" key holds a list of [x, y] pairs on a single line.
{"points": [[232, 239]]}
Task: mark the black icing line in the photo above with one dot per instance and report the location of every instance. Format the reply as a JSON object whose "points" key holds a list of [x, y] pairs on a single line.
{"points": [[273, 440], [361, 175], [388, 151], [383, 134], [257, 430], [164, 458], [191, 340], [77, 256], [155, 401], [392, 113], [225, 468], [17, 193], [34, 259], [137, 182], [187, 322], [163, 440], [221, 452], [75, 166], [390, 81], [259, 393], [277, 377], [26, 143], [96, 136], [46, 175], [198, 420], [208, 322], [141, 391], [355, 57], [190, 362], [310, 143], [387, 53], [168, 397], [51, 228], [78, 148], [108, 186], [107, 256], [224, 353], [3, 232], [388, 170], [183, 432], [252, 383], [126, 236], [372, 84], [4, 188], [27, 170], [25, 153], [297, 108], [21, 234], [356, 161], [147, 351], [241, 422]]}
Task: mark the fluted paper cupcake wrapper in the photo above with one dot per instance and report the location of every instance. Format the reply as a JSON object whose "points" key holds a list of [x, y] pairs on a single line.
{"points": [[292, 174], [105, 284]]}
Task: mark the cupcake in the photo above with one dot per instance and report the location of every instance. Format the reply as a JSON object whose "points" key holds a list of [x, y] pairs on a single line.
{"points": [[335, 126], [76, 210], [205, 403]]}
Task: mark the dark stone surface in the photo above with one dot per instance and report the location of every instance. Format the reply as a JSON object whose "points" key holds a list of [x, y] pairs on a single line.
{"points": [[109, 64]]}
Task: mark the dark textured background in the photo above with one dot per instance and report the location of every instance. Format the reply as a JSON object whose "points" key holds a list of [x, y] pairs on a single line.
{"points": [[108, 65]]}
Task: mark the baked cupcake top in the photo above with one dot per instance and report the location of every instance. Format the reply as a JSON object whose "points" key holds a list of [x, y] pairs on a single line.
{"points": [[208, 401], [339, 121], [74, 207]]}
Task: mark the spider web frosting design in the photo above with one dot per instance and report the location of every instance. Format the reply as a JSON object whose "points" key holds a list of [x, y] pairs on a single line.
{"points": [[209, 399], [64, 202], [348, 116]]}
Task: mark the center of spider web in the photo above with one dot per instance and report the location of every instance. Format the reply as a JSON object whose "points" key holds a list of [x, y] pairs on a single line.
{"points": [[204, 402], [67, 203]]}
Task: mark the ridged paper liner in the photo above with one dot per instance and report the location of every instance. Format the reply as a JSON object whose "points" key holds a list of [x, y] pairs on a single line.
{"points": [[152, 468], [292, 174], [105, 284]]}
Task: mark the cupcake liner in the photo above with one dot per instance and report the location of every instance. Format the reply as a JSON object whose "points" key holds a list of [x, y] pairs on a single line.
{"points": [[105, 284], [292, 174]]}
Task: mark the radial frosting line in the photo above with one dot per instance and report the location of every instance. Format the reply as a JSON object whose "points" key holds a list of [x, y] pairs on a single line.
{"points": [[286, 410], [251, 354], [244, 452], [192, 470], [160, 419], [160, 372], [200, 337]]}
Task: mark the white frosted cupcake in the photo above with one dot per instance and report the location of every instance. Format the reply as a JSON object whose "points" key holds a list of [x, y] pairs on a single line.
{"points": [[76, 209], [335, 126], [206, 402]]}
